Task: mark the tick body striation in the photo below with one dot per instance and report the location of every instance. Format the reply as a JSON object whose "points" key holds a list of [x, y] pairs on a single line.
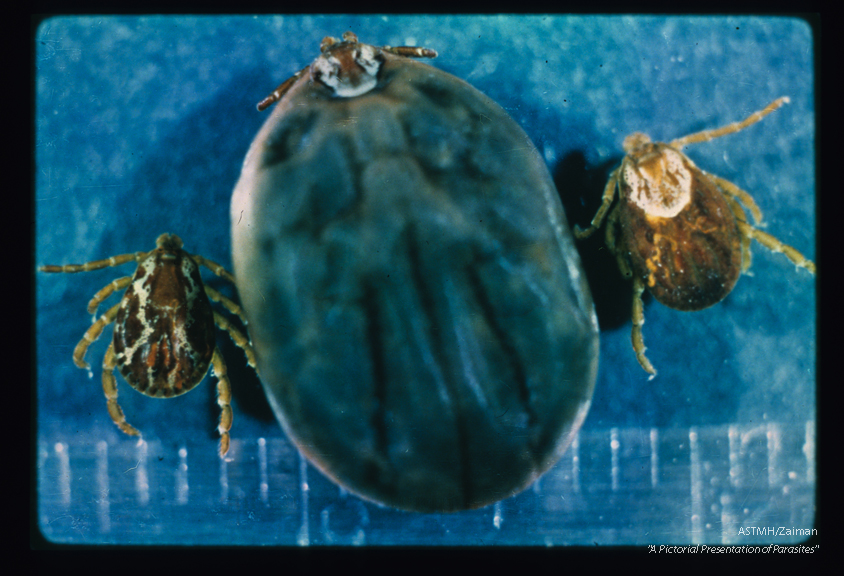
{"points": [[679, 232], [164, 335]]}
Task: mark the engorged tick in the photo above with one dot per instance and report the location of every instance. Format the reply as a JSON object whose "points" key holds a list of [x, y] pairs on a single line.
{"points": [[348, 67], [426, 336], [164, 337], [684, 233]]}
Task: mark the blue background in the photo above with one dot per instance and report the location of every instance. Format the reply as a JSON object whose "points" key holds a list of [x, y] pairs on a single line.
{"points": [[142, 124]]}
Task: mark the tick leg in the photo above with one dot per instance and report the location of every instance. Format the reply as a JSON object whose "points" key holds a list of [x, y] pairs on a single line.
{"points": [[224, 399], [96, 264], [230, 305], [775, 245], [746, 256], [638, 313], [620, 258], [214, 267], [279, 92], [743, 197], [98, 298], [707, 135], [238, 338], [609, 194], [110, 391], [92, 334], [410, 51], [217, 297], [638, 321]]}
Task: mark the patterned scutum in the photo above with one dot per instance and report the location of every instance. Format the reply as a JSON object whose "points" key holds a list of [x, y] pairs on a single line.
{"points": [[164, 330]]}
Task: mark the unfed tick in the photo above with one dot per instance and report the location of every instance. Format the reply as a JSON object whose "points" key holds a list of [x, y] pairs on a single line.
{"points": [[684, 234], [164, 336], [420, 318]]}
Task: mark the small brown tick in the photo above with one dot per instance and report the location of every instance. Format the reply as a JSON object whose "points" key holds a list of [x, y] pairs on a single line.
{"points": [[684, 233], [349, 68], [164, 338]]}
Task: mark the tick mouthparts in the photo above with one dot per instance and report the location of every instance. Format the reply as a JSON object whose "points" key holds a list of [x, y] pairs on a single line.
{"points": [[349, 72]]}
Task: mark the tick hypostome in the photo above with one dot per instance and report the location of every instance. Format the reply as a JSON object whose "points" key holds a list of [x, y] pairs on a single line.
{"points": [[684, 234], [164, 336]]}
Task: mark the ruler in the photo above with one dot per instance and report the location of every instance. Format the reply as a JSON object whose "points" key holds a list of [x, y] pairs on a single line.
{"points": [[730, 484]]}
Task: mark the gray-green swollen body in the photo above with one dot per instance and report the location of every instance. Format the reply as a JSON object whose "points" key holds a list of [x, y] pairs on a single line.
{"points": [[422, 326]]}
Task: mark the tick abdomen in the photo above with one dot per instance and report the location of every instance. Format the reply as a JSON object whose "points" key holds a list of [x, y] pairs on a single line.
{"points": [[691, 260]]}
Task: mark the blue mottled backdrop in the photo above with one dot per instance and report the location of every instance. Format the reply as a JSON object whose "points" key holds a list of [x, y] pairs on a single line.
{"points": [[141, 126]]}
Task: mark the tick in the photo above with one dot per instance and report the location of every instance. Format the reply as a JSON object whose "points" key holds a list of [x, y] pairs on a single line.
{"points": [[424, 331], [164, 337], [684, 234]]}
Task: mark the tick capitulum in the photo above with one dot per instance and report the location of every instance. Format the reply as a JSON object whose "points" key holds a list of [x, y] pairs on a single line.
{"points": [[684, 234], [164, 335], [348, 67]]}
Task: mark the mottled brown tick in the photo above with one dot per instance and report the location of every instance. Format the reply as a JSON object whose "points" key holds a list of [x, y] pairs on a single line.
{"points": [[164, 336], [684, 233]]}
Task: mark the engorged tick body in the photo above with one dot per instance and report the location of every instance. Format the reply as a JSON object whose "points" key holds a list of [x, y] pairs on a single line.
{"points": [[424, 330], [164, 336], [684, 234]]}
